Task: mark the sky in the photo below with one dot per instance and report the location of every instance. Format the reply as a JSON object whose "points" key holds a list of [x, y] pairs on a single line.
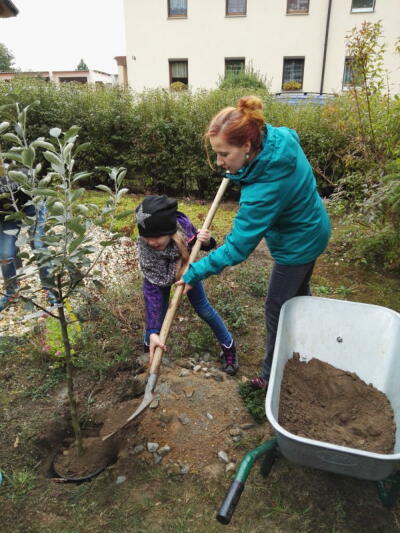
{"points": [[57, 34]]}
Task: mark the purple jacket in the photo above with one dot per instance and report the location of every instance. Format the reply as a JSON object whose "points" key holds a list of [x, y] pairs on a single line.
{"points": [[156, 297]]}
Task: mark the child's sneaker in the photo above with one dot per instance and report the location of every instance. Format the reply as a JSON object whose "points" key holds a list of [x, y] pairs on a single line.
{"points": [[5, 301], [52, 298], [229, 358], [259, 383]]}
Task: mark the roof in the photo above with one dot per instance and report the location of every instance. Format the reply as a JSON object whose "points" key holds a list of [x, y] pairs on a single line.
{"points": [[7, 9]]}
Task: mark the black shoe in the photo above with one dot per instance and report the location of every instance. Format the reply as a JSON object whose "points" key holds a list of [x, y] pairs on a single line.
{"points": [[229, 358]]}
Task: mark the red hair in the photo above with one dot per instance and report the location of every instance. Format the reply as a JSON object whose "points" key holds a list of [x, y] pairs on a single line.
{"points": [[239, 124]]}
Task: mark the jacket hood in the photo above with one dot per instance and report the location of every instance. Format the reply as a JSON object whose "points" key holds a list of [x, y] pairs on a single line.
{"points": [[276, 160]]}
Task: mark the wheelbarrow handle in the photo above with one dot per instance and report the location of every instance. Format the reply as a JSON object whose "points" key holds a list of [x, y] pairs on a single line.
{"points": [[169, 317], [232, 497]]}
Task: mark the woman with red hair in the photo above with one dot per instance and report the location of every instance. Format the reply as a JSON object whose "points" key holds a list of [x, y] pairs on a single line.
{"points": [[279, 202]]}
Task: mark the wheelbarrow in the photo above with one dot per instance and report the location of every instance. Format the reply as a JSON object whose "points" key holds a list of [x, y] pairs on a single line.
{"points": [[351, 336]]}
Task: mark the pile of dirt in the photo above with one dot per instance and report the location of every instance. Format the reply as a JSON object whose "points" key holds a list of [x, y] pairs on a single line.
{"points": [[196, 415], [321, 402]]}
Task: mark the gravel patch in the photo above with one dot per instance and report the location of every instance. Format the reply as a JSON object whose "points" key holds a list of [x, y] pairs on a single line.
{"points": [[117, 264]]}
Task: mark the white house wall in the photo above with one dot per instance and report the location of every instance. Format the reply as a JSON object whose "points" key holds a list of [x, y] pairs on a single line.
{"points": [[264, 37]]}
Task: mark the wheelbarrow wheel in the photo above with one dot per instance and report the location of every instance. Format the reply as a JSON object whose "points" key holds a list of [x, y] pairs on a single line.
{"points": [[389, 489]]}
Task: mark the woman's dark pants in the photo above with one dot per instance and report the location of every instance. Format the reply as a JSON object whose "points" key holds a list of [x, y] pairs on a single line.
{"points": [[286, 281]]}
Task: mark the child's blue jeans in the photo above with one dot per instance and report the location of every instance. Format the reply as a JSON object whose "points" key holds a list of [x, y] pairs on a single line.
{"points": [[198, 298], [8, 248]]}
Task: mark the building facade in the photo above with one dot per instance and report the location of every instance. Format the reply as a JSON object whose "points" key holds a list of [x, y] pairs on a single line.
{"points": [[63, 76], [295, 44]]}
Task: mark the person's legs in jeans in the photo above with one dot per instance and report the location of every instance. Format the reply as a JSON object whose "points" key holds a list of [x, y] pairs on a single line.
{"points": [[198, 299], [286, 282], [8, 252], [37, 232]]}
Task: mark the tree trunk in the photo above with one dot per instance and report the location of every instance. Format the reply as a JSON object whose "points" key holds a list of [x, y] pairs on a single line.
{"points": [[70, 383]]}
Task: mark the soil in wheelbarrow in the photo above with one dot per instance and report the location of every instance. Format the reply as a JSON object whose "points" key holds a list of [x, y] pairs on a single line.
{"points": [[321, 402]]}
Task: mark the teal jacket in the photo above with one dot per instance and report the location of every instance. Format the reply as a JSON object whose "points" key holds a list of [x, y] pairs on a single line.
{"points": [[279, 202]]}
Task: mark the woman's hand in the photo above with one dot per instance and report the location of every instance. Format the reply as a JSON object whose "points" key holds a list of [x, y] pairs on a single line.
{"points": [[204, 236], [154, 343], [187, 287]]}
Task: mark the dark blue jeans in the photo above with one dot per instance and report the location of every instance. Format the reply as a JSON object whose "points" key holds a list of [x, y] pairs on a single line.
{"points": [[198, 298], [8, 248], [286, 281]]}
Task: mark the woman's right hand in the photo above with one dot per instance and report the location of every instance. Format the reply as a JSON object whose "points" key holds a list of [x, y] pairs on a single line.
{"points": [[154, 343]]}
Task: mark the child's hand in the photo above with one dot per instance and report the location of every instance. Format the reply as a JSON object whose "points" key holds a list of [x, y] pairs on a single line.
{"points": [[204, 236], [154, 343]]}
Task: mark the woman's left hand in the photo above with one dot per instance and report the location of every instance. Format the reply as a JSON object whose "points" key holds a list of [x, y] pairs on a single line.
{"points": [[187, 287]]}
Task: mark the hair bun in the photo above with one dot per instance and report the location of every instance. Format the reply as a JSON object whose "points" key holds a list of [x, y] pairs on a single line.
{"points": [[250, 103]]}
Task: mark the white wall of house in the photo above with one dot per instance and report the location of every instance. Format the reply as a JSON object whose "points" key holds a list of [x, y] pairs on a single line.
{"points": [[263, 37]]}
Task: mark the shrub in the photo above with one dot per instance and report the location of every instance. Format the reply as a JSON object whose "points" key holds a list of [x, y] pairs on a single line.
{"points": [[178, 86], [247, 78], [291, 85]]}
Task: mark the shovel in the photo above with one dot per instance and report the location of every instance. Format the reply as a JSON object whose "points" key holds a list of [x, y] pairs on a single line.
{"points": [[169, 317]]}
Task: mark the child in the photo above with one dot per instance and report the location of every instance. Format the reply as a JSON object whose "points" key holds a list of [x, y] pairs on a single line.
{"points": [[166, 237]]}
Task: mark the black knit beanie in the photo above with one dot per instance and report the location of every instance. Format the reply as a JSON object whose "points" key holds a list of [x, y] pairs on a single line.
{"points": [[156, 216]]}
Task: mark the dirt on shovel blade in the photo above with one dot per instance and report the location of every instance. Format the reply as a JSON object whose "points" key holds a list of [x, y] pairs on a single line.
{"points": [[321, 402]]}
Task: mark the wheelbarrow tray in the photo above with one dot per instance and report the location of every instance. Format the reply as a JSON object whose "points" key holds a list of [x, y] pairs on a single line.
{"points": [[351, 336]]}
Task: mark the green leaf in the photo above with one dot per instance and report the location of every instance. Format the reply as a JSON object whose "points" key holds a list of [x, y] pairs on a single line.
{"points": [[53, 159], [81, 175], [19, 177], [82, 147], [14, 156], [75, 243], [44, 181], [4, 126], [67, 150], [72, 132], [55, 132], [104, 188], [75, 225], [98, 284], [125, 214], [121, 176], [56, 208], [44, 192], [40, 143], [82, 209], [12, 138], [28, 156], [74, 195]]}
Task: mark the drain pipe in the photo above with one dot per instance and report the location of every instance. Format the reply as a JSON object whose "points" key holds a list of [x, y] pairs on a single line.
{"points": [[328, 18]]}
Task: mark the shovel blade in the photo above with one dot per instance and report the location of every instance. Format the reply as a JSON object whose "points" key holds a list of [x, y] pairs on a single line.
{"points": [[147, 399]]}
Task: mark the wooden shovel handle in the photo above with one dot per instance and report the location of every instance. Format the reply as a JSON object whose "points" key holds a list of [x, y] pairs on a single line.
{"points": [[169, 317]]}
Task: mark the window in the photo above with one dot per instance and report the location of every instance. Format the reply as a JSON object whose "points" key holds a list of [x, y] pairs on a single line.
{"points": [[362, 6], [177, 8], [234, 65], [235, 8], [348, 72], [297, 7], [178, 71], [293, 70], [350, 75]]}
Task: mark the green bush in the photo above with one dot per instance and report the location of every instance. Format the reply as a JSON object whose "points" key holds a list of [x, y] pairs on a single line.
{"points": [[246, 78], [158, 135]]}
